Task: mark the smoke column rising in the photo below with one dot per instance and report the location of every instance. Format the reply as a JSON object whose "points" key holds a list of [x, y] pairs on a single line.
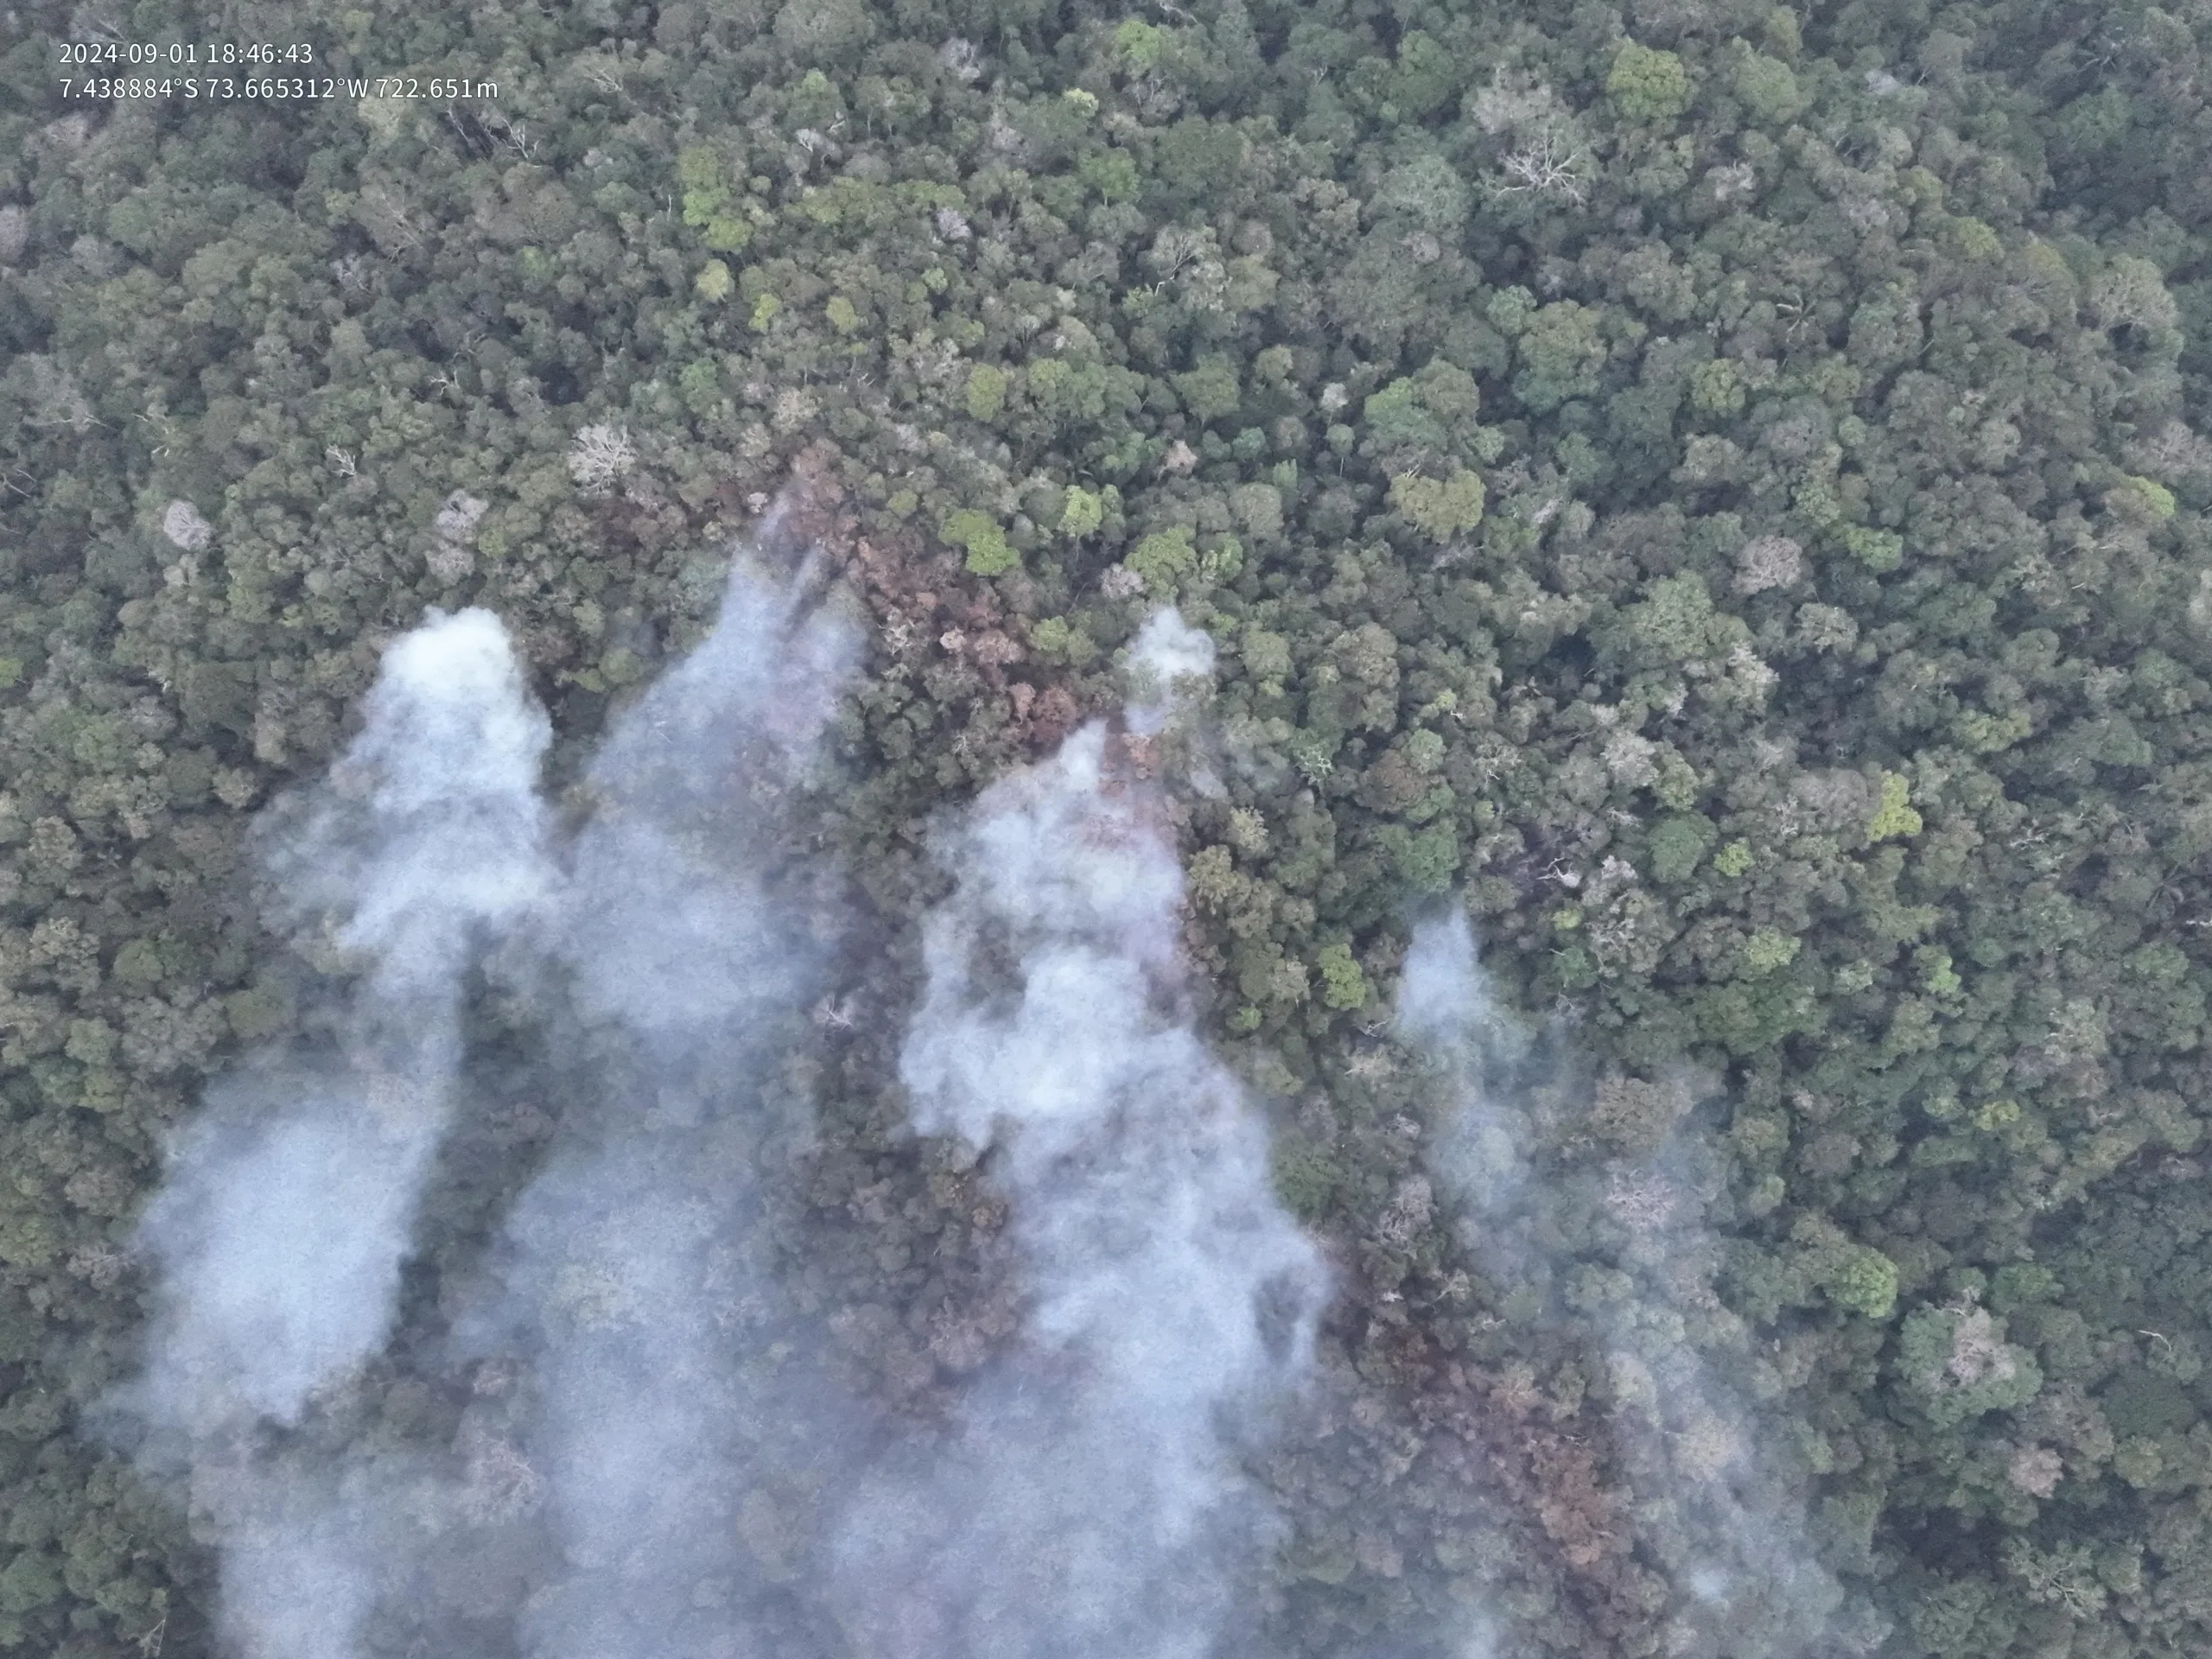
{"points": [[1445, 1008], [1168, 664], [1089, 1503], [668, 927], [653, 1446], [637, 1278], [286, 1211], [287, 1208]]}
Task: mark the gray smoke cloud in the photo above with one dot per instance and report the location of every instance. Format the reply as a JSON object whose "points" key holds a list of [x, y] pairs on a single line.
{"points": [[667, 926], [1618, 1250], [1089, 1500], [1168, 665]]}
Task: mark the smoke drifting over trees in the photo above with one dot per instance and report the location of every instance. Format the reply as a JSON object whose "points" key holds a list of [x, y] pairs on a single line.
{"points": [[609, 1329], [1613, 1251], [287, 1213], [282, 1229], [633, 1304], [654, 1455], [1712, 491], [1087, 1503]]}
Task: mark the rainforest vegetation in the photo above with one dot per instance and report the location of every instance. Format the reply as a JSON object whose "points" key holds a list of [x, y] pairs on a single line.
{"points": [[1707, 492]]}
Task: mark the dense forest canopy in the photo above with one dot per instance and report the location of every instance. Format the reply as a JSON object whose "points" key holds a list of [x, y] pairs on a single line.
{"points": [[1696, 839]]}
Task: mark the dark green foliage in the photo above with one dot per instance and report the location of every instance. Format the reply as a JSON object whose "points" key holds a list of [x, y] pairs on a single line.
{"points": [[1716, 488]]}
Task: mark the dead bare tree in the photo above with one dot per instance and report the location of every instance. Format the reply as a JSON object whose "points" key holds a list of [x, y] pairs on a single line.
{"points": [[1547, 167]]}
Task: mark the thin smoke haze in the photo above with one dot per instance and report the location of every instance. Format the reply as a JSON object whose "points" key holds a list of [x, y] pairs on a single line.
{"points": [[1727, 1529], [292, 1198]]}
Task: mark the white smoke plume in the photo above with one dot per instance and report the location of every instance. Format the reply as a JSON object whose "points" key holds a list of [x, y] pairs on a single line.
{"points": [[630, 1270], [287, 1211], [625, 1444], [636, 1286], [1090, 1501], [667, 925], [285, 1215], [1618, 1252], [303, 1552]]}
